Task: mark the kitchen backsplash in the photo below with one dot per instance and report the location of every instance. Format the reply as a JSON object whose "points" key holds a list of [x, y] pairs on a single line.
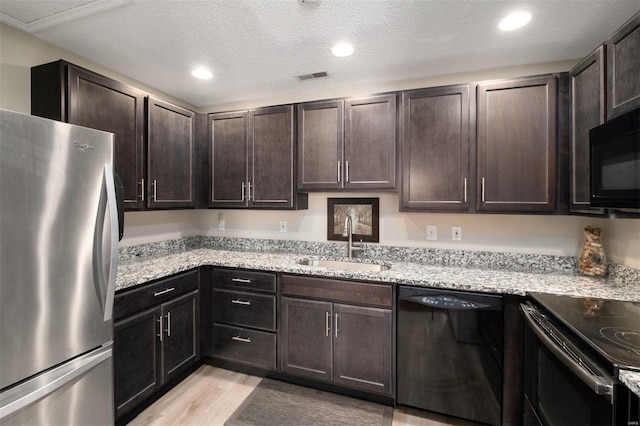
{"points": [[476, 259]]}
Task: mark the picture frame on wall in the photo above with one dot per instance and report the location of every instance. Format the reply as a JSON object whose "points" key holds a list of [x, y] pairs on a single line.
{"points": [[365, 217]]}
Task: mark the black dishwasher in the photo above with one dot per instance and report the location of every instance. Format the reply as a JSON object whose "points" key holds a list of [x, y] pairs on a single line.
{"points": [[450, 353]]}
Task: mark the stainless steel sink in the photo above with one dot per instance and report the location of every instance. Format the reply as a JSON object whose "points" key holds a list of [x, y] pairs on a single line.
{"points": [[342, 264]]}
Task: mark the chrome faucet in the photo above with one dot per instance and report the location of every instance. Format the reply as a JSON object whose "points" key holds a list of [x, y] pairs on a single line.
{"points": [[348, 232]]}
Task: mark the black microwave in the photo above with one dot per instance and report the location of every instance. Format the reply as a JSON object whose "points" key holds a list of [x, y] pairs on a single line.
{"points": [[615, 162]]}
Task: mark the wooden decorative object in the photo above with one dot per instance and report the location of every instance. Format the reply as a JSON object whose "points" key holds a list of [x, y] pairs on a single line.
{"points": [[593, 261]]}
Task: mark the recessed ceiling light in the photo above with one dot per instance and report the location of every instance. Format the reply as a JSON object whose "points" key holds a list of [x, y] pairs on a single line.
{"points": [[342, 49], [202, 73], [514, 21]]}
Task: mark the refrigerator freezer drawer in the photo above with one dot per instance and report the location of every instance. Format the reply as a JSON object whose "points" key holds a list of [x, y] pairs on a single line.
{"points": [[77, 392]]}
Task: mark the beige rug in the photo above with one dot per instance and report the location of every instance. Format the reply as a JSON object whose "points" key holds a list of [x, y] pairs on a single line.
{"points": [[276, 403]]}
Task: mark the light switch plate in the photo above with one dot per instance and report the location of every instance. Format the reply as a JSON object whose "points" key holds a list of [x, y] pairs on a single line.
{"points": [[432, 232], [456, 233], [221, 224], [283, 226]]}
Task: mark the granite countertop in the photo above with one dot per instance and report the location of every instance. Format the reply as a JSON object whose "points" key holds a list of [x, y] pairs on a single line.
{"points": [[132, 272], [631, 379]]}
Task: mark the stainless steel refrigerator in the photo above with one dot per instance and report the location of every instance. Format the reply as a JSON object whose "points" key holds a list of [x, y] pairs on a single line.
{"points": [[58, 259]]}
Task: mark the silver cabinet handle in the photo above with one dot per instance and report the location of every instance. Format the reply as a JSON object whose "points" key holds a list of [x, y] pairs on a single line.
{"points": [[482, 190], [142, 190], [465, 190], [339, 171], [336, 324], [248, 191], [161, 332], [168, 330], [326, 324], [346, 167], [154, 194], [243, 191], [165, 291], [241, 280], [241, 339], [241, 302]]}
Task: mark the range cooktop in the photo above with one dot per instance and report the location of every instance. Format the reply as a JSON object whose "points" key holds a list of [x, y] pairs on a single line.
{"points": [[610, 327]]}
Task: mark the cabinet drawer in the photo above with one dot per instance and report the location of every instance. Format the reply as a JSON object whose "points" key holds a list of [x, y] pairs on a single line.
{"points": [[244, 309], [339, 291], [239, 279], [246, 346], [130, 301]]}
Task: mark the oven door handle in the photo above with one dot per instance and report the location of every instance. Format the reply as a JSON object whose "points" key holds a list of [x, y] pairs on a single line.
{"points": [[601, 385]]}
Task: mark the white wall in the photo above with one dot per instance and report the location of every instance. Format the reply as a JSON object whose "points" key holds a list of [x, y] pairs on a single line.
{"points": [[560, 235]]}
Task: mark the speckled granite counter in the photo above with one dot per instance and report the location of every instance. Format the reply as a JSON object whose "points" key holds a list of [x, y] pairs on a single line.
{"points": [[134, 270], [631, 379]]}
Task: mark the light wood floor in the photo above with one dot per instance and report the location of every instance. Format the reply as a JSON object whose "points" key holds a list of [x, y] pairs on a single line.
{"points": [[210, 395]]}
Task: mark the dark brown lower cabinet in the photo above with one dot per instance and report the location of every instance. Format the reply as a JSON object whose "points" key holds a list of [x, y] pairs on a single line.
{"points": [[154, 346], [136, 355], [180, 339], [362, 356], [243, 317], [348, 345], [305, 340]]}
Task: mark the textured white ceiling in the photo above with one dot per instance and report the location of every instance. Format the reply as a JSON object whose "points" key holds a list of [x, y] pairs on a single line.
{"points": [[255, 48]]}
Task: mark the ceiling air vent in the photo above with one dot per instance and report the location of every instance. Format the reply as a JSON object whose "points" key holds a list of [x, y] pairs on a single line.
{"points": [[303, 77]]}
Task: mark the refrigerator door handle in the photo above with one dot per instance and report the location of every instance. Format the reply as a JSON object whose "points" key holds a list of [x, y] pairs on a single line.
{"points": [[38, 388], [108, 204]]}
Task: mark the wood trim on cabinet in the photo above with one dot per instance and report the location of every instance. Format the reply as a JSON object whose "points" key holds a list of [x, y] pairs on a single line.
{"points": [[338, 291]]}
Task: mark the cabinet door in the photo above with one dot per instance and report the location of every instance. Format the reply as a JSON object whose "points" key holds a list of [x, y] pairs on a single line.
{"points": [[271, 155], [180, 325], [363, 348], [101, 103], [587, 111], [171, 148], [435, 149], [517, 138], [320, 145], [305, 339], [623, 68], [228, 151], [370, 142], [136, 359]]}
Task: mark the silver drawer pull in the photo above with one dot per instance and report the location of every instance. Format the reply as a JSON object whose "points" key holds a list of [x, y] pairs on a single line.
{"points": [[241, 302], [168, 290], [241, 339], [241, 280]]}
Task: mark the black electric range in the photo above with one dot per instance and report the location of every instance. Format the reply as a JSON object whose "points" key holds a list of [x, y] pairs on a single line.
{"points": [[610, 327]]}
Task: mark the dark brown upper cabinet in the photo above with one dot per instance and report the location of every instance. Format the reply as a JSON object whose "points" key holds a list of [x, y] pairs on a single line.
{"points": [[517, 143], [154, 142], [370, 142], [252, 159], [320, 145], [588, 110], [65, 92], [170, 153], [623, 68], [228, 150], [348, 144], [436, 147]]}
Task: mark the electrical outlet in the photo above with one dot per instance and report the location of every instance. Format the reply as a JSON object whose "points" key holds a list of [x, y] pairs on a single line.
{"points": [[456, 233], [432, 232], [283, 226], [221, 224]]}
